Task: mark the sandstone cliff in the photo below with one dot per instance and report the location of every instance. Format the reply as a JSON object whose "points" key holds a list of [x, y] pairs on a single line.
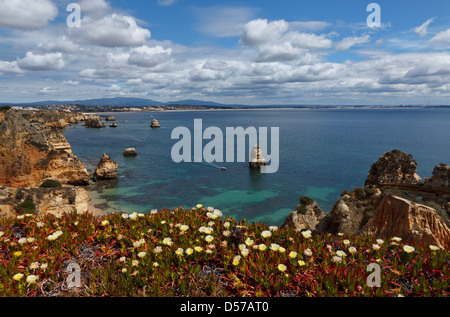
{"points": [[106, 169], [31, 152]]}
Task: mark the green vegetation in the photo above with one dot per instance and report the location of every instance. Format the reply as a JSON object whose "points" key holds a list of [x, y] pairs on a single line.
{"points": [[198, 252], [304, 200], [51, 183], [27, 206]]}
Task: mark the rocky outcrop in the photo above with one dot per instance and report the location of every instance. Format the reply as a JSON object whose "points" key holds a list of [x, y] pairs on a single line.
{"points": [[130, 152], [106, 169], [42, 200], [307, 216], [93, 121], [394, 168], [32, 151], [113, 125], [110, 118], [155, 124], [440, 179], [399, 217], [256, 158]]}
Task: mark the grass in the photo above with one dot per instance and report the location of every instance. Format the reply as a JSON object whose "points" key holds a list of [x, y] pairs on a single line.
{"points": [[199, 252]]}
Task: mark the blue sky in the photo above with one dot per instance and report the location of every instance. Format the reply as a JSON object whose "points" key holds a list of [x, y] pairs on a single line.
{"points": [[246, 52]]}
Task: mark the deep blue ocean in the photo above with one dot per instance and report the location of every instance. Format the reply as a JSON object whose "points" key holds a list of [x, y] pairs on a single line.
{"points": [[321, 153]]}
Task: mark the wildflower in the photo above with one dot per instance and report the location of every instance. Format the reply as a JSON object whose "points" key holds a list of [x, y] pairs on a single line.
{"points": [[125, 216], [44, 266], [375, 246], [133, 216], [226, 224], [198, 249], [22, 241], [380, 241], [163, 222], [408, 249], [142, 254], [179, 251], [211, 223], [167, 241], [124, 270], [249, 242], [184, 228], [157, 250], [122, 259], [226, 233], [210, 209], [136, 244], [135, 263], [307, 252], [39, 224], [58, 233], [337, 259], [155, 264], [306, 234], [352, 250], [262, 247], [141, 215], [105, 223], [154, 211], [292, 254], [236, 260], [346, 242], [18, 277], [189, 251], [209, 238], [34, 266], [396, 239], [31, 279], [340, 234], [434, 248], [206, 230], [341, 254], [282, 267], [199, 206], [273, 228], [17, 253], [281, 250], [30, 240], [75, 223], [20, 217], [266, 234], [301, 263], [244, 252], [1, 234], [274, 247]]}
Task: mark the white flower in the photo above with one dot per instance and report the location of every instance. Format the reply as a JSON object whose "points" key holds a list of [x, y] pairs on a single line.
{"points": [[133, 216], [306, 234], [20, 217], [44, 266], [198, 249], [155, 264], [167, 241], [154, 211], [124, 270], [34, 265], [226, 233], [189, 251], [125, 216], [135, 263], [1, 234], [352, 250], [266, 234], [22, 240], [105, 223], [337, 259], [52, 237], [209, 238], [31, 279], [274, 247], [396, 239], [122, 259], [244, 252], [281, 250], [282, 267], [30, 240], [184, 228], [346, 242], [236, 260], [307, 252], [249, 242], [157, 250], [262, 247], [39, 224], [408, 249], [210, 209], [179, 251], [199, 206], [380, 241], [375, 246], [58, 233], [141, 215], [226, 224], [341, 254], [206, 230], [292, 254], [273, 228], [434, 248], [142, 254]]}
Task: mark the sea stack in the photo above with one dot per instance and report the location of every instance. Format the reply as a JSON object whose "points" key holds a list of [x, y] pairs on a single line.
{"points": [[113, 125], [154, 124], [106, 169], [256, 158], [130, 152]]}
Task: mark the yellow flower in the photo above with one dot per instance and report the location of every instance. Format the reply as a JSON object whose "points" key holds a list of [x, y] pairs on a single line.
{"points": [[199, 206], [226, 233], [31, 279], [105, 222], [155, 264], [167, 241], [249, 242], [226, 224], [236, 260], [306, 234], [434, 248], [18, 277], [262, 247], [209, 238], [184, 228], [408, 249], [1, 234], [17, 253], [189, 251], [292, 254], [244, 252], [274, 247], [301, 263], [282, 267], [340, 234], [198, 249], [179, 251], [124, 270], [142, 254]]}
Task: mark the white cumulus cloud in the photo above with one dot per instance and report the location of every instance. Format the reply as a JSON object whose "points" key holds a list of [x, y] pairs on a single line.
{"points": [[26, 14], [45, 62]]}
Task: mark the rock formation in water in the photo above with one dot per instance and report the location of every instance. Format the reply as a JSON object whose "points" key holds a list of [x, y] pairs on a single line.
{"points": [[31, 152], [307, 216], [92, 121], [110, 118], [106, 169], [130, 152], [394, 168], [155, 124], [113, 125], [440, 179], [256, 158]]}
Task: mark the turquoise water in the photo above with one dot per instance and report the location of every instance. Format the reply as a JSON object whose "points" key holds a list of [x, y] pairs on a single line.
{"points": [[321, 153]]}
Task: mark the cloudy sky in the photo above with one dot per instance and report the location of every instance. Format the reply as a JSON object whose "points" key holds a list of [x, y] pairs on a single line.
{"points": [[247, 52]]}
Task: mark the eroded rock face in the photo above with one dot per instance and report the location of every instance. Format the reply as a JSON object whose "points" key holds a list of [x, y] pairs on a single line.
{"points": [[305, 217], [399, 217], [394, 168], [130, 152], [32, 151], [106, 169], [440, 179], [93, 121]]}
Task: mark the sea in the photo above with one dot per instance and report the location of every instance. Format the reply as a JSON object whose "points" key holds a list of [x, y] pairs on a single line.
{"points": [[322, 152]]}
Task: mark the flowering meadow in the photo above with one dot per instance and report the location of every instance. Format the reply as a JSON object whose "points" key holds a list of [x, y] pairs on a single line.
{"points": [[200, 252]]}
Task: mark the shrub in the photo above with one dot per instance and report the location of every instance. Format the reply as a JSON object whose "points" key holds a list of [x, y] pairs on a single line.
{"points": [[27, 206], [304, 200], [51, 183]]}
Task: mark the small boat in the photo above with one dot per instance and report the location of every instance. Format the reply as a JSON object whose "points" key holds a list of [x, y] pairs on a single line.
{"points": [[223, 168]]}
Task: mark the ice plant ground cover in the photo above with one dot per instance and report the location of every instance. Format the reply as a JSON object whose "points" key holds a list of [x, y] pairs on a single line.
{"points": [[199, 252]]}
